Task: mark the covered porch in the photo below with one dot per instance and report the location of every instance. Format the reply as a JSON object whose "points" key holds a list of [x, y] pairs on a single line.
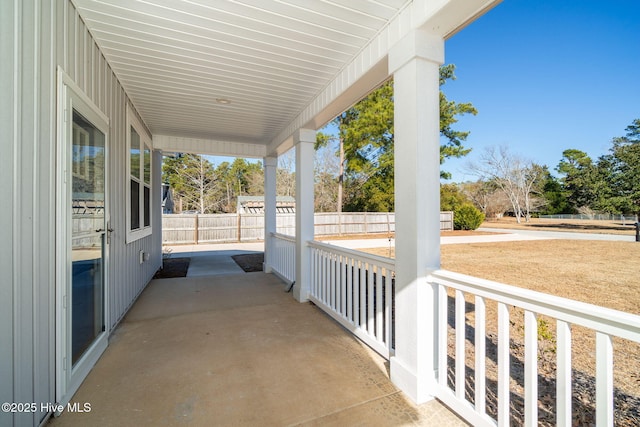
{"points": [[219, 350]]}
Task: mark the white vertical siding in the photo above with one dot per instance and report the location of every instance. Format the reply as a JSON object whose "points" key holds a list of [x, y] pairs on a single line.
{"points": [[38, 36], [83, 61], [27, 112]]}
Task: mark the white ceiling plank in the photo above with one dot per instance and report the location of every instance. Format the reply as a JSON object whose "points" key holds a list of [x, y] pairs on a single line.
{"points": [[198, 44], [262, 13], [216, 26], [204, 64], [198, 73], [241, 63], [141, 79]]}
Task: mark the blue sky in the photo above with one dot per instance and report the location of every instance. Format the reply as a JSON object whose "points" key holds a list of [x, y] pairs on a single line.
{"points": [[546, 76]]}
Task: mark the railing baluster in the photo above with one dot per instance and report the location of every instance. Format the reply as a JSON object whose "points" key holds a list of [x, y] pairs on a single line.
{"points": [[332, 281], [460, 344], [363, 295], [379, 306], [604, 380], [504, 365], [349, 289], [343, 287], [325, 277], [387, 307], [314, 281], [442, 335], [530, 369], [370, 290], [319, 273], [563, 376], [356, 292], [480, 355]]}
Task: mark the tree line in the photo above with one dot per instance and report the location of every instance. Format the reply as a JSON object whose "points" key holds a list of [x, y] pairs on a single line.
{"points": [[200, 186], [610, 184]]}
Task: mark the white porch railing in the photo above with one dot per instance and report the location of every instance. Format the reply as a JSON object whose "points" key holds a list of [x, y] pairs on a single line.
{"points": [[283, 261], [356, 289], [606, 324]]}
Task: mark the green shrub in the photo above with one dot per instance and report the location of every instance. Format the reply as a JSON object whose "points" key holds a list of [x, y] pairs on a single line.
{"points": [[467, 217]]}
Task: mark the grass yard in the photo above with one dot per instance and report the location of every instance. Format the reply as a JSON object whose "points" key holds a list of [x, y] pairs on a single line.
{"points": [[572, 225], [601, 273]]}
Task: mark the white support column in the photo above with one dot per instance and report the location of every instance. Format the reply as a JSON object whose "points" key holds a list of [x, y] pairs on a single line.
{"points": [[270, 165], [415, 62], [303, 140]]}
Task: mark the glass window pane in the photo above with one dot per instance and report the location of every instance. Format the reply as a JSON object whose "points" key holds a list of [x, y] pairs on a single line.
{"points": [[134, 154], [147, 206], [147, 165], [135, 205], [87, 216]]}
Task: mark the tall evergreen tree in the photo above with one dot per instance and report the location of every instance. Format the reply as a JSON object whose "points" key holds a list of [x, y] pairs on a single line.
{"points": [[367, 131]]}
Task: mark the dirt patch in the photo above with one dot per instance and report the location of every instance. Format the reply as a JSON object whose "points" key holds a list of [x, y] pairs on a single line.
{"points": [[173, 267], [250, 263], [597, 272]]}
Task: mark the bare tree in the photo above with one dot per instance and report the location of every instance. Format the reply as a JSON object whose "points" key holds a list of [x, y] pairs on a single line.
{"points": [[518, 179], [194, 182], [285, 175], [328, 187], [487, 197]]}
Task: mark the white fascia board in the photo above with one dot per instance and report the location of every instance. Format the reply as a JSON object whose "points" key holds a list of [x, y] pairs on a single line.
{"points": [[446, 18], [174, 144], [369, 68]]}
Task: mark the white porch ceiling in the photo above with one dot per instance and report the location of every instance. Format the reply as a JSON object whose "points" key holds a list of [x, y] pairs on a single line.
{"points": [[271, 59]]}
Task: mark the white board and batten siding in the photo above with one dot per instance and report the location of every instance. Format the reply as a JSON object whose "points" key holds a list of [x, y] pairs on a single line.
{"points": [[38, 38]]}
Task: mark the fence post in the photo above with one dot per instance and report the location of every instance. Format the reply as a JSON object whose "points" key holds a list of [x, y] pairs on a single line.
{"points": [[365, 223], [195, 235], [637, 231], [239, 221]]}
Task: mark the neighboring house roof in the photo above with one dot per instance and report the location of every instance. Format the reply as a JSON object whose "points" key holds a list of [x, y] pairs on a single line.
{"points": [[255, 204], [167, 199]]}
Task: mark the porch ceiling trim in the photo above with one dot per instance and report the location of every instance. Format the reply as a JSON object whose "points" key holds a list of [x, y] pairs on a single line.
{"points": [[174, 144]]}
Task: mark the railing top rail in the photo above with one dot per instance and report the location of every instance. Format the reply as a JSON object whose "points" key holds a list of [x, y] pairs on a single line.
{"points": [[612, 322], [387, 263], [284, 237]]}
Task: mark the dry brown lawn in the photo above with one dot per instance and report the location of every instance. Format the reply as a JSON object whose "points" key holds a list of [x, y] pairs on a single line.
{"points": [[596, 272]]}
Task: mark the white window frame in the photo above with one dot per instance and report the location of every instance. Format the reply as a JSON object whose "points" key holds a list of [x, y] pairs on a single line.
{"points": [[145, 143]]}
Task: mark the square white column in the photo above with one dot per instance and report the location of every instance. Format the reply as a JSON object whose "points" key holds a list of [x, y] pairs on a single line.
{"points": [[415, 62], [304, 140], [270, 164]]}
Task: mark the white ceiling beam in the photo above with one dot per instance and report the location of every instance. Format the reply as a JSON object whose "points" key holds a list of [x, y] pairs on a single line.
{"points": [[174, 144]]}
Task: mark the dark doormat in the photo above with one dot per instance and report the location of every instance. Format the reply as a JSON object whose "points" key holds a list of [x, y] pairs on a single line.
{"points": [[250, 263], [173, 267]]}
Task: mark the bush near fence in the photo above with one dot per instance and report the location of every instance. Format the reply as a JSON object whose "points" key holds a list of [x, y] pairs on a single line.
{"points": [[219, 228]]}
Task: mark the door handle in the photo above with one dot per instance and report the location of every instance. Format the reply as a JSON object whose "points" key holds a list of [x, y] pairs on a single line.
{"points": [[106, 233]]}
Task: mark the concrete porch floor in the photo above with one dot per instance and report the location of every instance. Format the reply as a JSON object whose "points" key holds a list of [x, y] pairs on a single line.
{"points": [[237, 350]]}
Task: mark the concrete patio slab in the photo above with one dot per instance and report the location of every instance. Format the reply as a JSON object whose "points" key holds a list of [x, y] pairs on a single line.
{"points": [[237, 350], [220, 263]]}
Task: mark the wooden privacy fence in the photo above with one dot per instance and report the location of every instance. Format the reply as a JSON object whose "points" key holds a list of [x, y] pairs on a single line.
{"points": [[218, 228]]}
